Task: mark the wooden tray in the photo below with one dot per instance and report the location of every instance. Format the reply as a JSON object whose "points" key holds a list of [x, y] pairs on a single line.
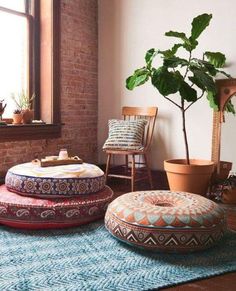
{"points": [[50, 163]]}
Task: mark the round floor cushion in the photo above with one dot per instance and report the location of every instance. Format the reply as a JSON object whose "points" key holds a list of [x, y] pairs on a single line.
{"points": [[66, 180], [36, 213], [166, 221]]}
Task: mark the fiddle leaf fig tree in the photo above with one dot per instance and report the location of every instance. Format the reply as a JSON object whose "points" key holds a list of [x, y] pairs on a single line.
{"points": [[191, 78]]}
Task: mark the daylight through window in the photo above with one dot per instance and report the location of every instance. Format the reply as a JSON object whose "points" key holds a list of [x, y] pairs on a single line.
{"points": [[15, 52]]}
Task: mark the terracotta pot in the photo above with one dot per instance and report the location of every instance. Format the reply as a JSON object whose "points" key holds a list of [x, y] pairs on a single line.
{"points": [[193, 178], [17, 118], [27, 116], [229, 196], [225, 168]]}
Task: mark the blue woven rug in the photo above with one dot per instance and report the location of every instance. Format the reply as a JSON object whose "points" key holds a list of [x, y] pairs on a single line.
{"points": [[89, 258]]}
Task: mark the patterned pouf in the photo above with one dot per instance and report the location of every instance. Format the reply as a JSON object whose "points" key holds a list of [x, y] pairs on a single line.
{"points": [[68, 180], [166, 221], [35, 213]]}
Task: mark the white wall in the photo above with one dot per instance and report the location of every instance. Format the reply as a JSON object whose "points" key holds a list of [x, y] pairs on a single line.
{"points": [[127, 29]]}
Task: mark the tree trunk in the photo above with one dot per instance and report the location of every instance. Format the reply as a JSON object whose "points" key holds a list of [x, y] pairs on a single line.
{"points": [[185, 135]]}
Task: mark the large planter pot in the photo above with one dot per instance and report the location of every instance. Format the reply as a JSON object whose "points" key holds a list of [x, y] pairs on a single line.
{"points": [[193, 178]]}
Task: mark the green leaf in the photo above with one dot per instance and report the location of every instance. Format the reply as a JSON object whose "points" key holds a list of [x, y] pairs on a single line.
{"points": [[150, 54], [166, 82], [193, 43], [229, 107], [174, 62], [196, 82], [166, 54], [194, 66], [139, 77], [204, 79], [175, 48], [141, 71], [188, 93], [199, 24], [171, 52], [217, 59], [211, 96], [190, 44], [180, 35], [208, 66], [130, 82]]}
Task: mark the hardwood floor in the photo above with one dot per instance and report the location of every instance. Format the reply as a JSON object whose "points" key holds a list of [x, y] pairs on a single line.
{"points": [[225, 282]]}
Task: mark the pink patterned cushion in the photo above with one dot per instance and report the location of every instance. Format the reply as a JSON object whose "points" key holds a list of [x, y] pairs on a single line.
{"points": [[166, 221], [34, 213]]}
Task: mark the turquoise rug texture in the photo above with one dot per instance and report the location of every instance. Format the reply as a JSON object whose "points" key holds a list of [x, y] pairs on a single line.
{"points": [[89, 258]]}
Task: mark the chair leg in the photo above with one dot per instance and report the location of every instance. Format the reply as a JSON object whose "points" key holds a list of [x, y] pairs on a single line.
{"points": [[107, 167], [148, 171], [133, 173], [126, 168], [126, 164]]}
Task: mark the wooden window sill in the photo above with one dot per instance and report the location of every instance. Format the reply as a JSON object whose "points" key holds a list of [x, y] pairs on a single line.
{"points": [[12, 132]]}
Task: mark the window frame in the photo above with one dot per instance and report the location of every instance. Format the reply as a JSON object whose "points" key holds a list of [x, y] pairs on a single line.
{"points": [[11, 132]]}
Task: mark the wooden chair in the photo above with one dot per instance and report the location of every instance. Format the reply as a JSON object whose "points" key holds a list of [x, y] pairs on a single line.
{"points": [[134, 113]]}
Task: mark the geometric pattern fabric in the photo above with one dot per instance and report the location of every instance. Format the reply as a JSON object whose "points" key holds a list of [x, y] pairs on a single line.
{"points": [[125, 134], [166, 221], [57, 181]]}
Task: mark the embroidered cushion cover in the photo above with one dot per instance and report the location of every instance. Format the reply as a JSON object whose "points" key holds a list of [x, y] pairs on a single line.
{"points": [[125, 134], [166, 221], [58, 181], [35, 213]]}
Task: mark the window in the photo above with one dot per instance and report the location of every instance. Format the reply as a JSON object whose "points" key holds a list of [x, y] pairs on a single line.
{"points": [[17, 5], [29, 61], [18, 24]]}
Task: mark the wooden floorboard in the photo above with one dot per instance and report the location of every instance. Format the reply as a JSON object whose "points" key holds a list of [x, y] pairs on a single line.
{"points": [[225, 282]]}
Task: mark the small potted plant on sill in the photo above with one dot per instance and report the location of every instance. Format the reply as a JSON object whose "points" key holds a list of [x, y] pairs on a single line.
{"points": [[192, 78], [24, 104], [17, 116]]}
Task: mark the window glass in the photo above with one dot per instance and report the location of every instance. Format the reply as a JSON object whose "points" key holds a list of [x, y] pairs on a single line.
{"points": [[13, 59], [18, 5]]}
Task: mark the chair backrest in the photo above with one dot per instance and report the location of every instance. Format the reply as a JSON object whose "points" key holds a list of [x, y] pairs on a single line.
{"points": [[148, 113]]}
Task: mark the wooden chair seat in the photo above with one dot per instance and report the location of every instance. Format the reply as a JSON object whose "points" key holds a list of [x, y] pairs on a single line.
{"points": [[125, 152]]}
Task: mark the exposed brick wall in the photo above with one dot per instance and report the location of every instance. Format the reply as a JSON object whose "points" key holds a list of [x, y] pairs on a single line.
{"points": [[79, 41]]}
